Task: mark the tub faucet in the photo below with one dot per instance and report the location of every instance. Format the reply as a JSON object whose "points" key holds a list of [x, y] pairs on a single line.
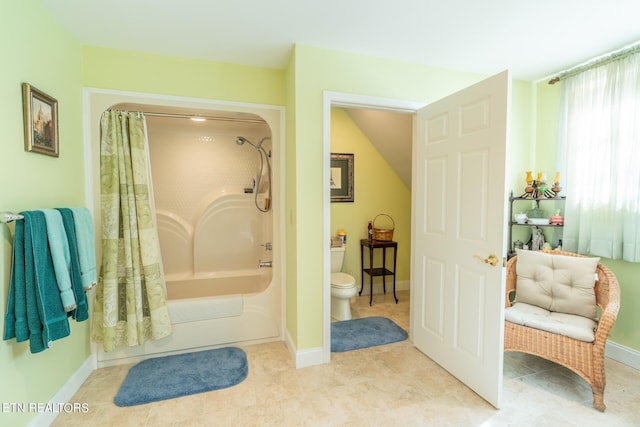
{"points": [[264, 264]]}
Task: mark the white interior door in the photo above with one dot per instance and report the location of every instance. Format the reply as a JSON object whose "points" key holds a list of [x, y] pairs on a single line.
{"points": [[459, 211]]}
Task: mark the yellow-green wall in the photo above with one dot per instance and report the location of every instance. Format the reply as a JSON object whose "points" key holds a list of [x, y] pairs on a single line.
{"points": [[156, 74], [36, 50], [522, 154], [316, 70], [626, 331], [377, 189]]}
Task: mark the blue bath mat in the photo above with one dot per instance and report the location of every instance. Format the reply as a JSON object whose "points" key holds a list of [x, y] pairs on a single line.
{"points": [[181, 375], [366, 332]]}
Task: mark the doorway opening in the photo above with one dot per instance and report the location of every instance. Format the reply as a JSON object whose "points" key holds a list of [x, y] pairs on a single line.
{"points": [[357, 108]]}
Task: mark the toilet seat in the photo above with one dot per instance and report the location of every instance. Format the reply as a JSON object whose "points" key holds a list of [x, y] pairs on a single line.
{"points": [[342, 280], [343, 288]]}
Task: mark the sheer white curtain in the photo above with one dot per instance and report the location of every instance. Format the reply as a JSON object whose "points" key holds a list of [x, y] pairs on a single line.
{"points": [[600, 145]]}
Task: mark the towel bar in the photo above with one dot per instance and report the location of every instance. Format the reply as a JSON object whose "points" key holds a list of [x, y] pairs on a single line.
{"points": [[6, 217]]}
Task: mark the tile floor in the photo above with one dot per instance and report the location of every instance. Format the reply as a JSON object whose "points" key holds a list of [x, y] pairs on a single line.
{"points": [[392, 385]]}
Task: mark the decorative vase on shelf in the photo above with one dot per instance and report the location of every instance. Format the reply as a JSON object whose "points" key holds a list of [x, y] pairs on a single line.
{"points": [[556, 184], [529, 188]]}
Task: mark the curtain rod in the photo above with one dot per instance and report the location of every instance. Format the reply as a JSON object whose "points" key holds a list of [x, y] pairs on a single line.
{"points": [[196, 116], [607, 59]]}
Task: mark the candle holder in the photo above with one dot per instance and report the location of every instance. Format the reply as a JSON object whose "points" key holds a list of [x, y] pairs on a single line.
{"points": [[529, 189], [539, 189], [556, 185]]}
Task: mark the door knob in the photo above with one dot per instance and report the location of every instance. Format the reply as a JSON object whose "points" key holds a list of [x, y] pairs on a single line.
{"points": [[492, 260]]}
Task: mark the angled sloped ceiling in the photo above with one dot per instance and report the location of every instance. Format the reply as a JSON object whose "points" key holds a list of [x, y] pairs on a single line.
{"points": [[391, 133]]}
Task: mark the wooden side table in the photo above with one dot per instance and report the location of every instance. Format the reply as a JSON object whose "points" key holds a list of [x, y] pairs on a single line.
{"points": [[378, 271]]}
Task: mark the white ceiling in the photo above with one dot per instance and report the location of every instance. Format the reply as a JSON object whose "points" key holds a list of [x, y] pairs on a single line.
{"points": [[534, 39]]}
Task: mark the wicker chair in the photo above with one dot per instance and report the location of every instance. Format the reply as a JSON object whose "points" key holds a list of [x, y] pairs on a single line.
{"points": [[584, 358]]}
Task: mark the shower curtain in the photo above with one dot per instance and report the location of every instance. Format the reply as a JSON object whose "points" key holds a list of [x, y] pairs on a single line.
{"points": [[130, 305]]}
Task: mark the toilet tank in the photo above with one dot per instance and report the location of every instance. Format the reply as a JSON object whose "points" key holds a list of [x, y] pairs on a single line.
{"points": [[337, 257]]}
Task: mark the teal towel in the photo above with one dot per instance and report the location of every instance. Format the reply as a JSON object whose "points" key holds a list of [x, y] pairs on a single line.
{"points": [[48, 305], [36, 342], [86, 246], [15, 324], [81, 312], [10, 315], [59, 247]]}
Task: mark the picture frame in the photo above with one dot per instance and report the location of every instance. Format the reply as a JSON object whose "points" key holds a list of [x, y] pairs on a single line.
{"points": [[40, 113], [341, 177]]}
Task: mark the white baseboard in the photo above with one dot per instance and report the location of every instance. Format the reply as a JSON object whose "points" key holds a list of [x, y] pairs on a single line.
{"points": [[623, 354], [305, 358], [65, 393]]}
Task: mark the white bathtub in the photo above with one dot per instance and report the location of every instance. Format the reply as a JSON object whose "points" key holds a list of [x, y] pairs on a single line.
{"points": [[216, 292]]}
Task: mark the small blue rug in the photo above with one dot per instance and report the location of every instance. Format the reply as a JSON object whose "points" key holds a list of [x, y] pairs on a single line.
{"points": [[366, 332], [183, 374]]}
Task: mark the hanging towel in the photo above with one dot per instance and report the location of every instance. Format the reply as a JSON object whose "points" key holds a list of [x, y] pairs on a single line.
{"points": [[59, 246], [15, 322], [86, 246], [81, 311], [42, 286], [36, 342]]}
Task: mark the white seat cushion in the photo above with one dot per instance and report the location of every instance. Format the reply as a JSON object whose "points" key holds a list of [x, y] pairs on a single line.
{"points": [[570, 325], [558, 283]]}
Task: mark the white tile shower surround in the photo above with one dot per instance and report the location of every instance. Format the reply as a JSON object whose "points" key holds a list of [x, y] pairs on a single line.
{"points": [[392, 385]]}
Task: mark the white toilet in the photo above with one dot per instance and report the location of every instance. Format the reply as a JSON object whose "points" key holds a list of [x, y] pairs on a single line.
{"points": [[343, 286]]}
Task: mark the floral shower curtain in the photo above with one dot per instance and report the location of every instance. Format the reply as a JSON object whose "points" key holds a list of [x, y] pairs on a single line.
{"points": [[130, 305]]}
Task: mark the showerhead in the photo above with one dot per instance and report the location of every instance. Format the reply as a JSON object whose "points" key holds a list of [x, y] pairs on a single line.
{"points": [[264, 158], [240, 140]]}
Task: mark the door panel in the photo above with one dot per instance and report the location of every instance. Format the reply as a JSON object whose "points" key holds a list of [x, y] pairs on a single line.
{"points": [[459, 211], [472, 187], [436, 187], [434, 298], [470, 290]]}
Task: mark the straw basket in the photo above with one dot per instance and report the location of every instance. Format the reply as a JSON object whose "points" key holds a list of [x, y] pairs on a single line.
{"points": [[384, 235]]}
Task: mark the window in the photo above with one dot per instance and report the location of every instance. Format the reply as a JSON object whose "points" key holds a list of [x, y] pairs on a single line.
{"points": [[599, 144]]}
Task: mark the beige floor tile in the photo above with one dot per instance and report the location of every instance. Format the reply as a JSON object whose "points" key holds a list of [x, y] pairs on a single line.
{"points": [[185, 410], [392, 385]]}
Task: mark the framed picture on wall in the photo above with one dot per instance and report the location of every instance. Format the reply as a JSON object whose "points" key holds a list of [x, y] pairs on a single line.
{"points": [[341, 177], [40, 113]]}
